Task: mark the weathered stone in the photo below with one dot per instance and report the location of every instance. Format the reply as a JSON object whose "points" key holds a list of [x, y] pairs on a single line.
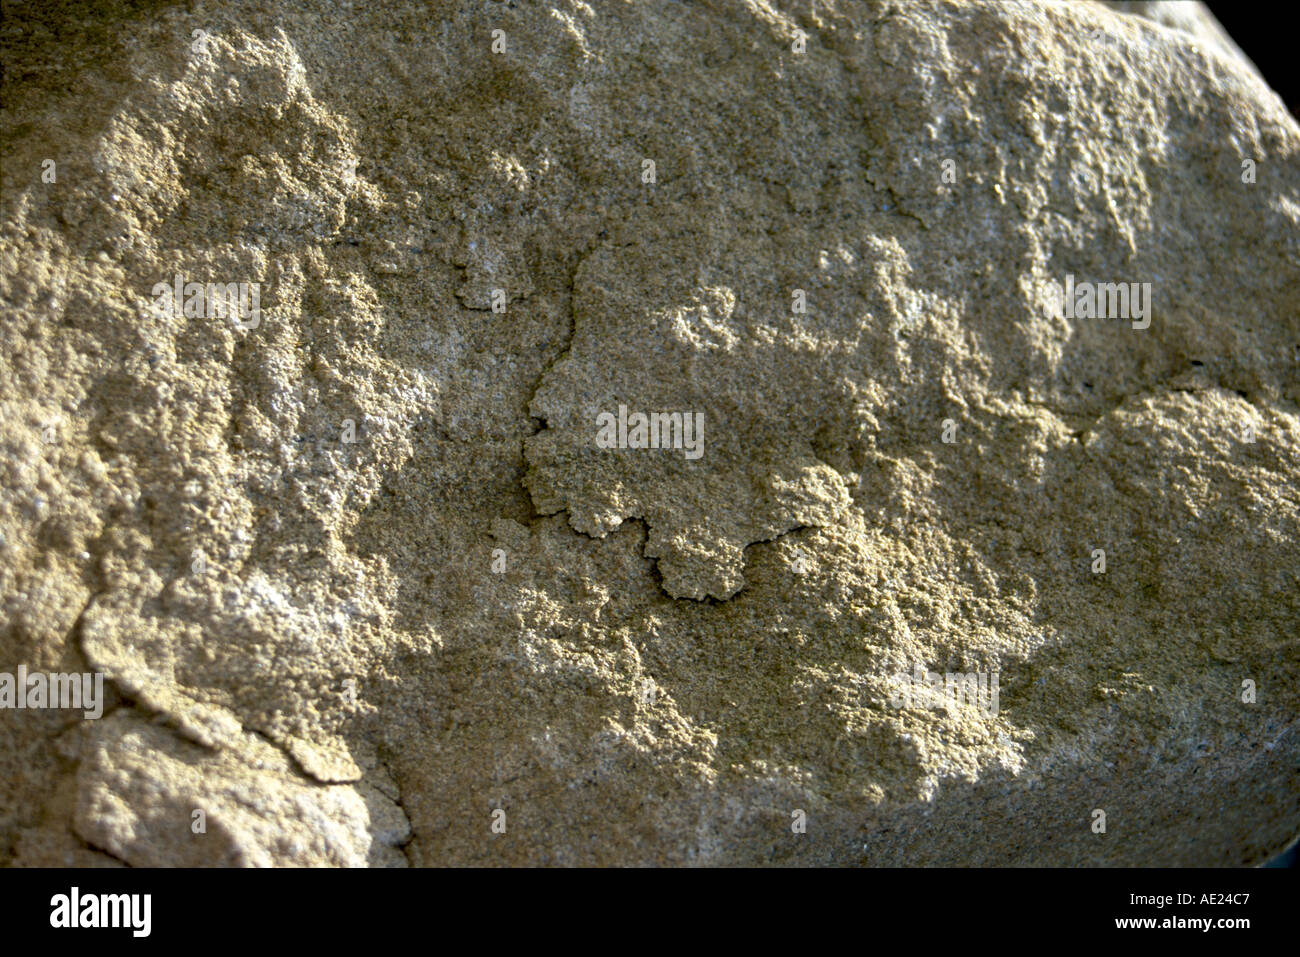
{"points": [[364, 559]]}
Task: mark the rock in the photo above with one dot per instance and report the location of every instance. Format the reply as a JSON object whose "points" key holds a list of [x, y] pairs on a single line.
{"points": [[368, 530], [154, 800], [1190, 16]]}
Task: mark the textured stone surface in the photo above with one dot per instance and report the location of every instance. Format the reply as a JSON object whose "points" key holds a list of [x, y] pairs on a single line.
{"points": [[158, 801], [341, 647], [1189, 16]]}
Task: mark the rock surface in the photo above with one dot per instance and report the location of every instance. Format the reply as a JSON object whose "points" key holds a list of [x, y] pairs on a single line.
{"points": [[361, 578]]}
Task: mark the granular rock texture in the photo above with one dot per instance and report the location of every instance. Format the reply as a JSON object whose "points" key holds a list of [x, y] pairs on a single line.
{"points": [[367, 589]]}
